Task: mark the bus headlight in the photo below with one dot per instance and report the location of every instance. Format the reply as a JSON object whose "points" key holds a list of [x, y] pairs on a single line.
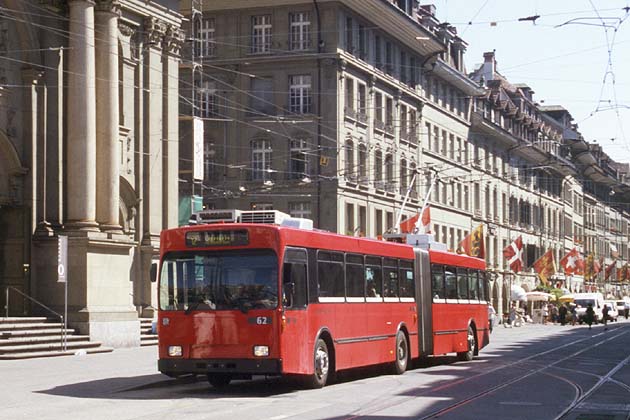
{"points": [[175, 351], [261, 351]]}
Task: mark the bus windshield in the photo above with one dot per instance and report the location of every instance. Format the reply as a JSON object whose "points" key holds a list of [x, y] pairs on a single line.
{"points": [[219, 280]]}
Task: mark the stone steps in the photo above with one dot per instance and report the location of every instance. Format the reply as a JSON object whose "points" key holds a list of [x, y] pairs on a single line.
{"points": [[147, 338], [31, 337]]}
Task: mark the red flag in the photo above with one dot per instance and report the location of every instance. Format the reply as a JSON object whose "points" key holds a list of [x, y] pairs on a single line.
{"points": [[545, 266], [473, 244], [424, 224], [513, 253], [609, 270], [597, 265], [571, 262], [408, 225]]}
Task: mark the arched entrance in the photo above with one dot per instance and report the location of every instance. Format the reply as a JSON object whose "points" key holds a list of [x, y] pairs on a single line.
{"points": [[15, 232]]}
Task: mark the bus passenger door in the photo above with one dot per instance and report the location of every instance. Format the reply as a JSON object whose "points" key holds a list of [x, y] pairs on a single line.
{"points": [[424, 301], [295, 350]]}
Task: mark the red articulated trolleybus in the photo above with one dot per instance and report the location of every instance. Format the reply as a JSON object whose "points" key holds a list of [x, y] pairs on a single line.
{"points": [[261, 293]]}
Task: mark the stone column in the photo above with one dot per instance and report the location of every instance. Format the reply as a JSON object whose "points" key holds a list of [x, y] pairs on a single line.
{"points": [[172, 44], [153, 132], [107, 115], [81, 122]]}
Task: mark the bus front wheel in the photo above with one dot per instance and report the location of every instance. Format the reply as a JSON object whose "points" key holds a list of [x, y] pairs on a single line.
{"points": [[321, 365], [467, 356], [402, 353], [219, 380]]}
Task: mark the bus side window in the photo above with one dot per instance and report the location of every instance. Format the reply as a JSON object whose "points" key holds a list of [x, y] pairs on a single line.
{"points": [[330, 276], [373, 277], [294, 285], [462, 283], [390, 277], [407, 284], [355, 276], [472, 285], [437, 281], [450, 281]]}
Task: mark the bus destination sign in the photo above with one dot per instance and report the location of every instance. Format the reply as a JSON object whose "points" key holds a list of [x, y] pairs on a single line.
{"points": [[217, 238]]}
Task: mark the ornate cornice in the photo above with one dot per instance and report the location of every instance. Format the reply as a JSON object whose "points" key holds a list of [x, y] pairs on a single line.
{"points": [[173, 39], [155, 30], [108, 6], [125, 29]]}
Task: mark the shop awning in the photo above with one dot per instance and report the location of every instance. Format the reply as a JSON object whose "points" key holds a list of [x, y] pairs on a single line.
{"points": [[539, 296], [517, 293]]}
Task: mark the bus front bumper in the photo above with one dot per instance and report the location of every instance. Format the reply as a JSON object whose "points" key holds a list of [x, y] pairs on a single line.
{"points": [[177, 367]]}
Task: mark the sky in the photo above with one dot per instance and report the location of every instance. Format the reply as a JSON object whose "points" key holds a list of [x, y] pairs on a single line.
{"points": [[577, 54]]}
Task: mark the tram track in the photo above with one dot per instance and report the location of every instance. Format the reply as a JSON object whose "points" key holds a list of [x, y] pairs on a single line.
{"points": [[579, 397]]}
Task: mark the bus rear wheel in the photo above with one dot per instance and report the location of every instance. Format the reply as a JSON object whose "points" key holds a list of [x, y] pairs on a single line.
{"points": [[402, 353], [467, 356], [219, 380], [321, 365]]}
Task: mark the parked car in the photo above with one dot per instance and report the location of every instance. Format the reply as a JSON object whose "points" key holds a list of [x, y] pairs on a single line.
{"points": [[492, 317], [613, 314], [621, 307], [582, 300]]}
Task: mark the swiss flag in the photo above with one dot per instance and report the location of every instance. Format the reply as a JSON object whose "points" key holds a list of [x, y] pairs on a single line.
{"points": [[424, 223], [514, 254], [572, 263], [407, 226]]}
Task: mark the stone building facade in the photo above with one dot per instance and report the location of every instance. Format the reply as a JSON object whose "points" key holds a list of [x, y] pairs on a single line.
{"points": [[336, 109], [88, 149]]}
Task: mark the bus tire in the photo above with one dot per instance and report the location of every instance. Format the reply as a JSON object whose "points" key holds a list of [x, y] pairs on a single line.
{"points": [[402, 353], [321, 366], [219, 380], [467, 356]]}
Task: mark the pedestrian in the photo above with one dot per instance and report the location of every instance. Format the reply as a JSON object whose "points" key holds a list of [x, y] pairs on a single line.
{"points": [[590, 315], [573, 313], [512, 315], [562, 313], [545, 311], [605, 316], [555, 316]]}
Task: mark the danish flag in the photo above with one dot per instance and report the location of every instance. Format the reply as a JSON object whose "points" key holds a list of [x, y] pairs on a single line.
{"points": [[514, 254]]}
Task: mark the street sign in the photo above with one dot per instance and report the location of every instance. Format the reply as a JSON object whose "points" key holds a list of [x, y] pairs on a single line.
{"points": [[62, 259]]}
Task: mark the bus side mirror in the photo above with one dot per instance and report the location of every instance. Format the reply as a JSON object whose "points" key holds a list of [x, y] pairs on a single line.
{"points": [[153, 272], [289, 289]]}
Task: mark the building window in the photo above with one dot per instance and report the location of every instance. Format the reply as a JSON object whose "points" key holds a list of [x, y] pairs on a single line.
{"points": [[362, 96], [300, 209], [207, 100], [362, 42], [300, 31], [349, 168], [389, 169], [261, 34], [300, 94], [389, 58], [403, 67], [261, 99], [403, 176], [349, 35], [378, 167], [350, 219], [378, 106], [205, 38], [389, 112], [261, 159], [378, 55], [299, 159], [349, 93], [363, 163]]}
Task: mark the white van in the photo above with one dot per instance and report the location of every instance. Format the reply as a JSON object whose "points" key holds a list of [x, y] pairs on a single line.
{"points": [[582, 300]]}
